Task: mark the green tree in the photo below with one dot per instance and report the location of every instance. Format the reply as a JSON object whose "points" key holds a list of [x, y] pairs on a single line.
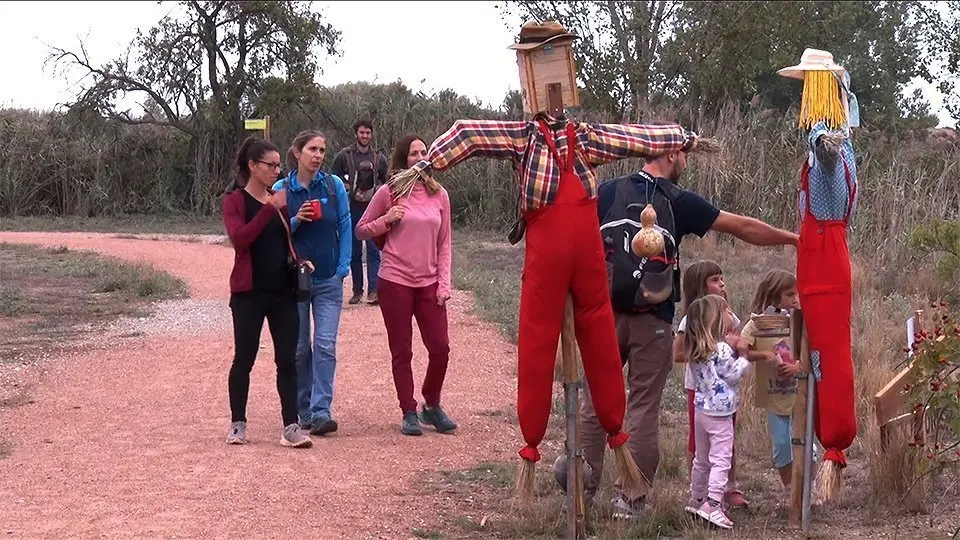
{"points": [[196, 71], [732, 50], [638, 56]]}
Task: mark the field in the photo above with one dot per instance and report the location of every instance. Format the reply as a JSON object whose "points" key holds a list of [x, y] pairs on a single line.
{"points": [[62, 293]]}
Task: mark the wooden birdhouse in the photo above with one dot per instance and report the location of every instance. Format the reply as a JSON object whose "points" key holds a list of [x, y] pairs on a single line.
{"points": [[548, 75]]}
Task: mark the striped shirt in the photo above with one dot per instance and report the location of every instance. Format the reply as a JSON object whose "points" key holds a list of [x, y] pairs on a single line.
{"points": [[539, 174]]}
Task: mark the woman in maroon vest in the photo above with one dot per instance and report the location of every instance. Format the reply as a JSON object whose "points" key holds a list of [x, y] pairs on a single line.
{"points": [[261, 286]]}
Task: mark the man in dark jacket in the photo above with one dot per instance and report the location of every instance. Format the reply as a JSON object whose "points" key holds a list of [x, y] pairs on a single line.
{"points": [[363, 170]]}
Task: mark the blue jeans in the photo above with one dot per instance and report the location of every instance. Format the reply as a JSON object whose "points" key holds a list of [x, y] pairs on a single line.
{"points": [[356, 262], [780, 428], [316, 365]]}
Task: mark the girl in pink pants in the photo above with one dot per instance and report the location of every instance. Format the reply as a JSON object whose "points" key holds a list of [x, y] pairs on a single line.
{"points": [[718, 360]]}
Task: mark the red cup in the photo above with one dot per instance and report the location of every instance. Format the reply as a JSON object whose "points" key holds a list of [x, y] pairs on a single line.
{"points": [[315, 209]]}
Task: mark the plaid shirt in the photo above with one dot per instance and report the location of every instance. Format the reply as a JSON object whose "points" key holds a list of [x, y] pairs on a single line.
{"points": [[522, 143]]}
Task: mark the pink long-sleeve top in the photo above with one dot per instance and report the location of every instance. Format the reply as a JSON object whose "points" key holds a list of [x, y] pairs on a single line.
{"points": [[417, 249]]}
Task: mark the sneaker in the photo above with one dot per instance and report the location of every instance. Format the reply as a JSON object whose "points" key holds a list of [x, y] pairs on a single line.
{"points": [[438, 419], [305, 425], [411, 424], [355, 299], [692, 506], [322, 427], [626, 509], [237, 433], [735, 499], [294, 437], [372, 298], [714, 514]]}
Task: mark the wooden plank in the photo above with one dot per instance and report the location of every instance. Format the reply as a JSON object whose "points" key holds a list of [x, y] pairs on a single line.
{"points": [[531, 85], [801, 351], [890, 400], [576, 523], [572, 73]]}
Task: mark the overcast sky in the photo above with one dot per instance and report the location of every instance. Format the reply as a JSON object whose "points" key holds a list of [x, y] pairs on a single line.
{"points": [[462, 46]]}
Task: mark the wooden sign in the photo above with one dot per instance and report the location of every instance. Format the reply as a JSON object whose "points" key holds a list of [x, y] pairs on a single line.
{"points": [[258, 124]]}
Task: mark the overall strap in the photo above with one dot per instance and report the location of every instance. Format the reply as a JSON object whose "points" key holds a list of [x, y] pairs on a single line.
{"points": [[571, 142], [571, 146], [548, 136]]}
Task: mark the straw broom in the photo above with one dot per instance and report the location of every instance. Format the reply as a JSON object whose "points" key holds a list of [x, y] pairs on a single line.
{"points": [[829, 482]]}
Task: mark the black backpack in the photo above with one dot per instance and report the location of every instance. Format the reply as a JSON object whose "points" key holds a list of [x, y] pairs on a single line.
{"points": [[639, 284]]}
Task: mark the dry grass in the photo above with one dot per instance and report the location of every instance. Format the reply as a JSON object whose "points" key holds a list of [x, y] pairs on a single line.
{"points": [[874, 483], [48, 296]]}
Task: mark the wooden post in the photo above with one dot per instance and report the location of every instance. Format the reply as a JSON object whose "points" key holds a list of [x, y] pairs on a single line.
{"points": [[801, 351], [266, 127], [576, 526]]}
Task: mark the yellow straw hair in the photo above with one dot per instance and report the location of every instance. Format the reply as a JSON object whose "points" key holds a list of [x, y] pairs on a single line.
{"points": [[821, 101]]}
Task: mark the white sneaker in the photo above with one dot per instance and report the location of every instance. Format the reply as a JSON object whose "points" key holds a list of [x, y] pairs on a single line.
{"points": [[237, 433], [294, 437], [715, 515]]}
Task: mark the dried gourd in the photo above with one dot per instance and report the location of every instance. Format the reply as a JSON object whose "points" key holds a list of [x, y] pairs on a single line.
{"points": [[648, 242]]}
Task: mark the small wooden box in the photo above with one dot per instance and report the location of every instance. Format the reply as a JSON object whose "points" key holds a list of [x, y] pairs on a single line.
{"points": [[548, 77]]}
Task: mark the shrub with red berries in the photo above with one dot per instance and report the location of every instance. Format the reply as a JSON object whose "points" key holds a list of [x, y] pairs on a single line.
{"points": [[935, 389]]}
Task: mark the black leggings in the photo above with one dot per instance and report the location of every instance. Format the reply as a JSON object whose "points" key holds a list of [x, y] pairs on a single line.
{"points": [[249, 310]]}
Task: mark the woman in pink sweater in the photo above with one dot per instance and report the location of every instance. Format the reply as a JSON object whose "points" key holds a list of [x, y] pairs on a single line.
{"points": [[414, 281]]}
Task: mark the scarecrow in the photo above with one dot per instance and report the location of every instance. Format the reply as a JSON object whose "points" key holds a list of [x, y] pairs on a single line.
{"points": [[827, 201], [555, 161]]}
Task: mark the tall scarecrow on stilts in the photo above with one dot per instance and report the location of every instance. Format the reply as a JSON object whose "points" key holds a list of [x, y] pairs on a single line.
{"points": [[828, 198], [555, 160]]}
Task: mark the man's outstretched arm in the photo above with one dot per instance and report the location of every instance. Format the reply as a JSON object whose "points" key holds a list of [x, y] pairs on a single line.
{"points": [[753, 230]]}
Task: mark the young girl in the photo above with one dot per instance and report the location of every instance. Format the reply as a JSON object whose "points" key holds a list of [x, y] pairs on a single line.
{"points": [[700, 279], [776, 386], [711, 345]]}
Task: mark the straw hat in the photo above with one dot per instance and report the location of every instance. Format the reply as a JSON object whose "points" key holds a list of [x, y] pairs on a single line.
{"points": [[534, 34], [812, 60]]}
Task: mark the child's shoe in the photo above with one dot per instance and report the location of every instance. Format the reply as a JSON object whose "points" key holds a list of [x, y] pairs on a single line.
{"points": [[711, 511], [692, 506]]}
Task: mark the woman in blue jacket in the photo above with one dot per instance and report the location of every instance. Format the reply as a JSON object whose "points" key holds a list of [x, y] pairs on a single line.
{"points": [[326, 241]]}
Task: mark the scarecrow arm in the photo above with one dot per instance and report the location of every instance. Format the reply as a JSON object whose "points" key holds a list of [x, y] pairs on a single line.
{"points": [[604, 143], [476, 138], [825, 144]]}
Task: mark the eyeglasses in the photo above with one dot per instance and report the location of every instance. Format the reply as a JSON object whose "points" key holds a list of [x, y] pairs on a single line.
{"points": [[271, 165]]}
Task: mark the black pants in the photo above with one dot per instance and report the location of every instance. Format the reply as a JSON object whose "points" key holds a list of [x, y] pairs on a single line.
{"points": [[249, 311]]}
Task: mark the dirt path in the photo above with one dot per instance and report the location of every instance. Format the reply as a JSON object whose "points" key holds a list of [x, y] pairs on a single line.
{"points": [[127, 440]]}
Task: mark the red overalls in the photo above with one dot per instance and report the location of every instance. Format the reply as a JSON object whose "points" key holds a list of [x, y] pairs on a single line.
{"points": [[824, 283], [564, 253]]}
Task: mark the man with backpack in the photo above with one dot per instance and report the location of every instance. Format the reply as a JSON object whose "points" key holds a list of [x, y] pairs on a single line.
{"points": [[363, 170], [643, 294]]}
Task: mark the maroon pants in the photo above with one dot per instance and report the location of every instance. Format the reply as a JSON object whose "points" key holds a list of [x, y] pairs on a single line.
{"points": [[399, 304]]}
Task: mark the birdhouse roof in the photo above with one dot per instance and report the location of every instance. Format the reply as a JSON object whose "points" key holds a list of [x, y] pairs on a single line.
{"points": [[534, 34]]}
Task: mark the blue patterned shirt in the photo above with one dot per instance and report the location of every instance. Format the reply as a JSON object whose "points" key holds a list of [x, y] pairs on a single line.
{"points": [[829, 193]]}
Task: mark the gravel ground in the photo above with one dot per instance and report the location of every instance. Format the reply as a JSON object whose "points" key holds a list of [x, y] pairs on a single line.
{"points": [[124, 438]]}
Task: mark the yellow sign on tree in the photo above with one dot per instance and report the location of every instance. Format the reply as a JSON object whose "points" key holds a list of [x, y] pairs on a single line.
{"points": [[255, 123]]}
